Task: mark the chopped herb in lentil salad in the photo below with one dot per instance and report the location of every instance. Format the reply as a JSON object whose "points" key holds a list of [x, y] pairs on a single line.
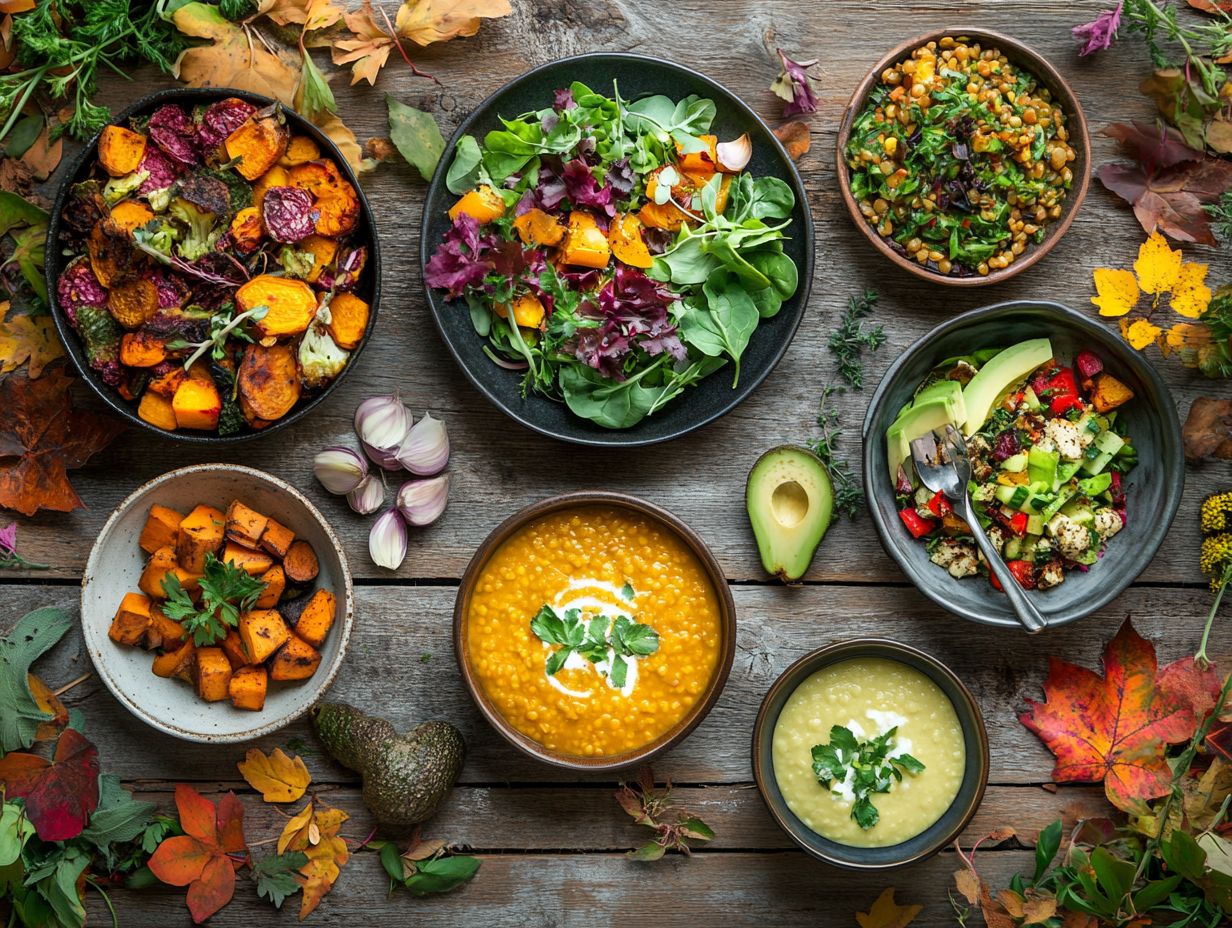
{"points": [[960, 159]]}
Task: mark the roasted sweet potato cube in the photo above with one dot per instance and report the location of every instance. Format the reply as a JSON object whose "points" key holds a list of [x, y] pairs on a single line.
{"points": [[142, 349], [161, 528], [131, 619], [262, 632], [213, 674], [200, 533], [157, 410], [245, 524], [334, 198], [275, 580], [176, 663], [259, 142], [133, 302], [317, 617], [275, 177], [197, 404], [161, 563], [233, 647], [301, 148], [295, 660], [300, 562], [168, 631], [247, 230], [322, 250], [120, 150], [166, 381], [277, 538], [348, 319], [1109, 393], [112, 255], [483, 204], [253, 563], [248, 687], [130, 214]]}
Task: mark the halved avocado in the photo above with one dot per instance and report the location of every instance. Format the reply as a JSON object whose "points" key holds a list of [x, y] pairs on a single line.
{"points": [[790, 498]]}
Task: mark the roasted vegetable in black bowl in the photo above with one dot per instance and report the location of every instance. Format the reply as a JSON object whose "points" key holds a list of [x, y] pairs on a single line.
{"points": [[212, 264]]}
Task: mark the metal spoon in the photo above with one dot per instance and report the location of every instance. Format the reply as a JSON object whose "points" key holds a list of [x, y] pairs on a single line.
{"points": [[947, 469]]}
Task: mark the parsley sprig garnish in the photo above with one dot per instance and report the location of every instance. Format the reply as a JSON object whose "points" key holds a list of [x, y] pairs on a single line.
{"points": [[226, 591], [874, 769], [594, 639]]}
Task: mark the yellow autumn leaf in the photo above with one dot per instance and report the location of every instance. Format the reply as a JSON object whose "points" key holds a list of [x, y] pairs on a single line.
{"points": [[48, 702], [1188, 335], [317, 876], [275, 776], [1117, 291], [296, 830], [1158, 266], [426, 21], [344, 138], [27, 338], [367, 50], [232, 58], [886, 913], [1140, 332], [1191, 295], [310, 14]]}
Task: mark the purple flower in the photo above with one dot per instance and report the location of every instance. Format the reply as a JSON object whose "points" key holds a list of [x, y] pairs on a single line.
{"points": [[8, 540], [1098, 34], [794, 86]]}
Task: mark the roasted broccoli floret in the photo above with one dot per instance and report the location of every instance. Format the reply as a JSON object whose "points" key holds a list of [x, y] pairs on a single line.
{"points": [[320, 358], [201, 229]]}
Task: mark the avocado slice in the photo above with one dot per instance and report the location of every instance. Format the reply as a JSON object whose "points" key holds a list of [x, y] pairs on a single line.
{"points": [[998, 375], [790, 499], [920, 419]]}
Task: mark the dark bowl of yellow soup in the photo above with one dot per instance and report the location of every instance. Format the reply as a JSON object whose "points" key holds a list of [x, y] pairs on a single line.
{"points": [[594, 630]]}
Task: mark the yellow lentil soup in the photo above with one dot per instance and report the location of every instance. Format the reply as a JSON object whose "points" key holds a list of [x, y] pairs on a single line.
{"points": [[601, 570], [870, 698]]}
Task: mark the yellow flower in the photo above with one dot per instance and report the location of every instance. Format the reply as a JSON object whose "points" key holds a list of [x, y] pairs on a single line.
{"points": [[1215, 559], [1216, 514], [1159, 271]]}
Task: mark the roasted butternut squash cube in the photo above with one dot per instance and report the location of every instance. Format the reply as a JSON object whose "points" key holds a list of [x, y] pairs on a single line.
{"points": [[166, 382], [142, 349], [161, 563], [483, 204], [158, 411], [130, 215], [536, 227], [275, 177], [248, 687], [196, 404], [262, 632], [176, 663], [233, 647], [317, 617], [161, 528], [131, 620], [275, 580], [1109, 393], [300, 562], [120, 150], [258, 143], [245, 525], [277, 538], [295, 660], [585, 244], [323, 251], [290, 304], [213, 674], [300, 149], [348, 319], [528, 311], [200, 533], [167, 631], [253, 563]]}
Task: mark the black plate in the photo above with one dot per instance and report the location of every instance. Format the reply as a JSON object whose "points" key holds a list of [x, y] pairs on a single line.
{"points": [[369, 290], [1153, 488], [637, 76]]}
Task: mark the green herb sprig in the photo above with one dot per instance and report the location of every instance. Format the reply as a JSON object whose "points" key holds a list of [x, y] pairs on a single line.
{"points": [[874, 769], [848, 496], [226, 591], [594, 639], [848, 341]]}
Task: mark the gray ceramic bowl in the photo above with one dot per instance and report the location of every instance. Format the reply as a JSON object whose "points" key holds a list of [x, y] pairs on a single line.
{"points": [[115, 565], [928, 842], [637, 76], [1153, 487]]}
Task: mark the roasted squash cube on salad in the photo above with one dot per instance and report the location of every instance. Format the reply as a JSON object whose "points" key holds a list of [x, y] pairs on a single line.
{"points": [[1048, 452], [613, 251], [208, 246]]}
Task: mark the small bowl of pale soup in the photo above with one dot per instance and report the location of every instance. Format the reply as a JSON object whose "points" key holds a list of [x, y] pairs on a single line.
{"points": [[870, 754]]}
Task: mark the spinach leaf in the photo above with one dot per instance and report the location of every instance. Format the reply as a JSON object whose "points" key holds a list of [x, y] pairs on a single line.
{"points": [[772, 199], [465, 170], [613, 404], [726, 321]]}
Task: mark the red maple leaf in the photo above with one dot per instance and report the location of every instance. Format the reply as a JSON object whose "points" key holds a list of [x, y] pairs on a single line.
{"points": [[207, 855], [60, 795], [1115, 728]]}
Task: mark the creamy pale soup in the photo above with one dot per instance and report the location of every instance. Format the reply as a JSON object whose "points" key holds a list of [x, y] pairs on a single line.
{"points": [[870, 696]]}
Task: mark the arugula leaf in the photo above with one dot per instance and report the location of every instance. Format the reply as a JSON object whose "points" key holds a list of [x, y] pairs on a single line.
{"points": [[275, 875], [20, 715]]}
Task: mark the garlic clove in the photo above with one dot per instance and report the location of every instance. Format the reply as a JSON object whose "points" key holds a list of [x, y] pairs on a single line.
{"points": [[425, 451], [734, 156], [421, 502], [387, 540], [381, 422], [368, 496], [340, 469]]}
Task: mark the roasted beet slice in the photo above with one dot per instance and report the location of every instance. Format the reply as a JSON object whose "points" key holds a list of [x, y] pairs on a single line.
{"points": [[288, 214]]}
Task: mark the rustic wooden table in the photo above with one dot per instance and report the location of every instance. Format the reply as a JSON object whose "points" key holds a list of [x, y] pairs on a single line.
{"points": [[552, 844]]}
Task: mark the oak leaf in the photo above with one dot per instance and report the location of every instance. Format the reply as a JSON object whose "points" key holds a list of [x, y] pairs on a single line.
{"points": [[41, 438], [1115, 728], [367, 51], [426, 21], [60, 795], [276, 776], [232, 58], [27, 338], [886, 913], [795, 138], [207, 855]]}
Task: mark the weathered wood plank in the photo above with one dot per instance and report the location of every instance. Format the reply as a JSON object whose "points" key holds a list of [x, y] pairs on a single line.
{"points": [[395, 625], [498, 467]]}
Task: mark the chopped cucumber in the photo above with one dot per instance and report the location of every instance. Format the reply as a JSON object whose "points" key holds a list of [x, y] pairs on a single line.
{"points": [[1013, 549], [1039, 503], [1032, 401], [1021, 495], [1035, 525], [1105, 446], [1063, 496], [1093, 486], [1042, 466], [1066, 471]]}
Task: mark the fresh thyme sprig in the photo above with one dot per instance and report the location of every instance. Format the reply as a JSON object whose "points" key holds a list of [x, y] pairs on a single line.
{"points": [[1221, 217], [848, 496], [848, 341], [1201, 42]]}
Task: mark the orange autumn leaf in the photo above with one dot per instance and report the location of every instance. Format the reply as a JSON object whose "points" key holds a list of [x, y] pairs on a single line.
{"points": [[367, 50], [1115, 728], [207, 855], [309, 14], [795, 138], [276, 776], [27, 338], [426, 21], [886, 913], [48, 702], [314, 830], [231, 58], [17, 6], [296, 829]]}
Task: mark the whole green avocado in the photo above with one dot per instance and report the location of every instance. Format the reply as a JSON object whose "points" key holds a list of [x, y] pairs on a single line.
{"points": [[405, 776]]}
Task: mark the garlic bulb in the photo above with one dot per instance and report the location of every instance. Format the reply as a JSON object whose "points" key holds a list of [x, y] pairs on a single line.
{"points": [[340, 469], [381, 422], [425, 450], [368, 496], [421, 502], [387, 540]]}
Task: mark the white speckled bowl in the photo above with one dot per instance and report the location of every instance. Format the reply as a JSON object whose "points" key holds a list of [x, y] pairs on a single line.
{"points": [[114, 568]]}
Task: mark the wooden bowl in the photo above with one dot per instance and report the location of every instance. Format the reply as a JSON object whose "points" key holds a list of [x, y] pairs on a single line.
{"points": [[670, 738], [1048, 76], [932, 839], [115, 565]]}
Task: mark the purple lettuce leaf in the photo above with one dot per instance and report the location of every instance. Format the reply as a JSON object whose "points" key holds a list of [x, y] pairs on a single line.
{"points": [[584, 189]]}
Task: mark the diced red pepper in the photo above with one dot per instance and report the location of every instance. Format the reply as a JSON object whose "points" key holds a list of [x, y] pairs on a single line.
{"points": [[1062, 383], [916, 524], [1017, 523], [1023, 572], [939, 505], [1064, 402]]}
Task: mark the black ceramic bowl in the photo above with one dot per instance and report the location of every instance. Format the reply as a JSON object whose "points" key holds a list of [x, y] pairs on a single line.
{"points": [[369, 289], [1153, 487], [932, 839], [637, 76]]}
